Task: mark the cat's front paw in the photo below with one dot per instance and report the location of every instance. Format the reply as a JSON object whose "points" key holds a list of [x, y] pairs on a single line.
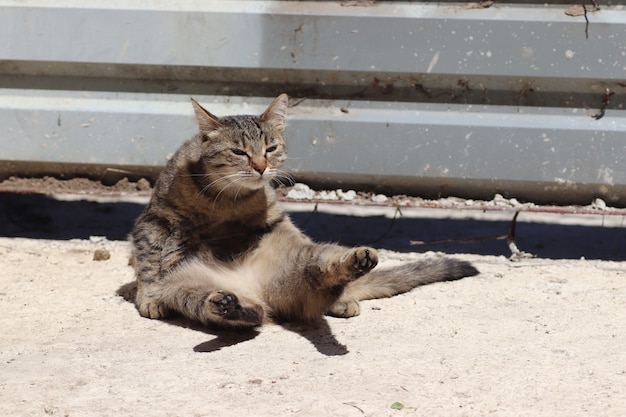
{"points": [[152, 310], [362, 260]]}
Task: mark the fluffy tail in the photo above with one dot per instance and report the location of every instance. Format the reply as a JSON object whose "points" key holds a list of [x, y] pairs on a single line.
{"points": [[387, 282]]}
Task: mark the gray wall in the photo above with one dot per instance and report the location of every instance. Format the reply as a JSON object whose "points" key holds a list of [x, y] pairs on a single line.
{"points": [[424, 98]]}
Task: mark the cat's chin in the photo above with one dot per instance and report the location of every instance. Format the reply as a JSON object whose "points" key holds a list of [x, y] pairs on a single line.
{"points": [[258, 182]]}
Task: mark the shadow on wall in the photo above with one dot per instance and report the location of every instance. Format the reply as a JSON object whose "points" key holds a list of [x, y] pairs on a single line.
{"points": [[41, 217]]}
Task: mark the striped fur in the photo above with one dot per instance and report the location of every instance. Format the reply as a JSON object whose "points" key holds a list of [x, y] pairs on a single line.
{"points": [[214, 245]]}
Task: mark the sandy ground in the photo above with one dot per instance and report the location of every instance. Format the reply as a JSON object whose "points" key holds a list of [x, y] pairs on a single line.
{"points": [[539, 337]]}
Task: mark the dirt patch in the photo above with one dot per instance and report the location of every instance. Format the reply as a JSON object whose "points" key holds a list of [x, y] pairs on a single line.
{"points": [[50, 185]]}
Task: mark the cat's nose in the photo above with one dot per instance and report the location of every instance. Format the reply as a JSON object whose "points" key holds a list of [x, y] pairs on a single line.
{"points": [[260, 168]]}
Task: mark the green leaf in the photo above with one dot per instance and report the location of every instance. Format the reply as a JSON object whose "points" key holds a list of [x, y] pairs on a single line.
{"points": [[397, 406]]}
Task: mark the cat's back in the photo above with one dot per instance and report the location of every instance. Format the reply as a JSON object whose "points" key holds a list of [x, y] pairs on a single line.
{"points": [[178, 166]]}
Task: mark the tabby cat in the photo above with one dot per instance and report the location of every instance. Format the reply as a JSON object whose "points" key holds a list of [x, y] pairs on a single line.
{"points": [[214, 245]]}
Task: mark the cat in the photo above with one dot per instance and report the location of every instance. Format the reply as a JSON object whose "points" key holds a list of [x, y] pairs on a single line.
{"points": [[214, 245]]}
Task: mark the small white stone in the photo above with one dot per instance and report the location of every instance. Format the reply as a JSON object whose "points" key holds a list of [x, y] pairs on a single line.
{"points": [[301, 192], [498, 200], [346, 195], [379, 198], [327, 195], [599, 204]]}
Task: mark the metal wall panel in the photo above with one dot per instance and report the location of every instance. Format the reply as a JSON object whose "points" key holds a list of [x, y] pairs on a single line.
{"points": [[424, 98]]}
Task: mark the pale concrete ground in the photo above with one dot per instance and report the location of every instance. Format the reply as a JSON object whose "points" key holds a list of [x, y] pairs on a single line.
{"points": [[540, 337]]}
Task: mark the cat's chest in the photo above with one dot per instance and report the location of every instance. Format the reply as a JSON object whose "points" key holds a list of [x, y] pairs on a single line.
{"points": [[224, 241]]}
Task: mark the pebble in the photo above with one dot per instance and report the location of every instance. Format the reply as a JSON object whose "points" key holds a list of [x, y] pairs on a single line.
{"points": [[379, 198], [346, 195], [599, 204], [301, 192], [101, 255], [327, 195]]}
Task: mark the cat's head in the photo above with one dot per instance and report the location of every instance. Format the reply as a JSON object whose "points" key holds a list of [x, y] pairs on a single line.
{"points": [[243, 151]]}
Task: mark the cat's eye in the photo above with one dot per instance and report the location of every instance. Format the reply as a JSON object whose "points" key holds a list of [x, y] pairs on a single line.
{"points": [[239, 152], [271, 149]]}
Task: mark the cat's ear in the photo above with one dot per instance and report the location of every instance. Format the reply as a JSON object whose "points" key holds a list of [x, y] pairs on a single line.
{"points": [[206, 121], [276, 112]]}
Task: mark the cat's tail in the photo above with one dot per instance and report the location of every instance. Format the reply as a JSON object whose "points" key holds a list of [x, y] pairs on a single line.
{"points": [[387, 282]]}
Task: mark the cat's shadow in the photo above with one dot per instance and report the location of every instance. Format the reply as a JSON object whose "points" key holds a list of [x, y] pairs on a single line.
{"points": [[320, 336]]}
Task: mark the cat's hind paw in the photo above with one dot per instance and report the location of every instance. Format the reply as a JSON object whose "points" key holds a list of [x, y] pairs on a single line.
{"points": [[345, 309], [362, 260], [226, 306]]}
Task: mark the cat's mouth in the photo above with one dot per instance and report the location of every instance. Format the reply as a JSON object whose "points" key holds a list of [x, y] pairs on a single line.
{"points": [[257, 180]]}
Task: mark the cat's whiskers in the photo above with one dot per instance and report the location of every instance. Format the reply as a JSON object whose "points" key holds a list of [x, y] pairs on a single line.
{"points": [[217, 183], [240, 178], [220, 173], [237, 193], [223, 175], [281, 175], [244, 176]]}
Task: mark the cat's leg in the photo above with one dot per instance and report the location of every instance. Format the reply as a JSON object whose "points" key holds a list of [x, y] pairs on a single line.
{"points": [[211, 306], [315, 280], [340, 265], [351, 265], [148, 301], [212, 296], [399, 279], [167, 282], [155, 251]]}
